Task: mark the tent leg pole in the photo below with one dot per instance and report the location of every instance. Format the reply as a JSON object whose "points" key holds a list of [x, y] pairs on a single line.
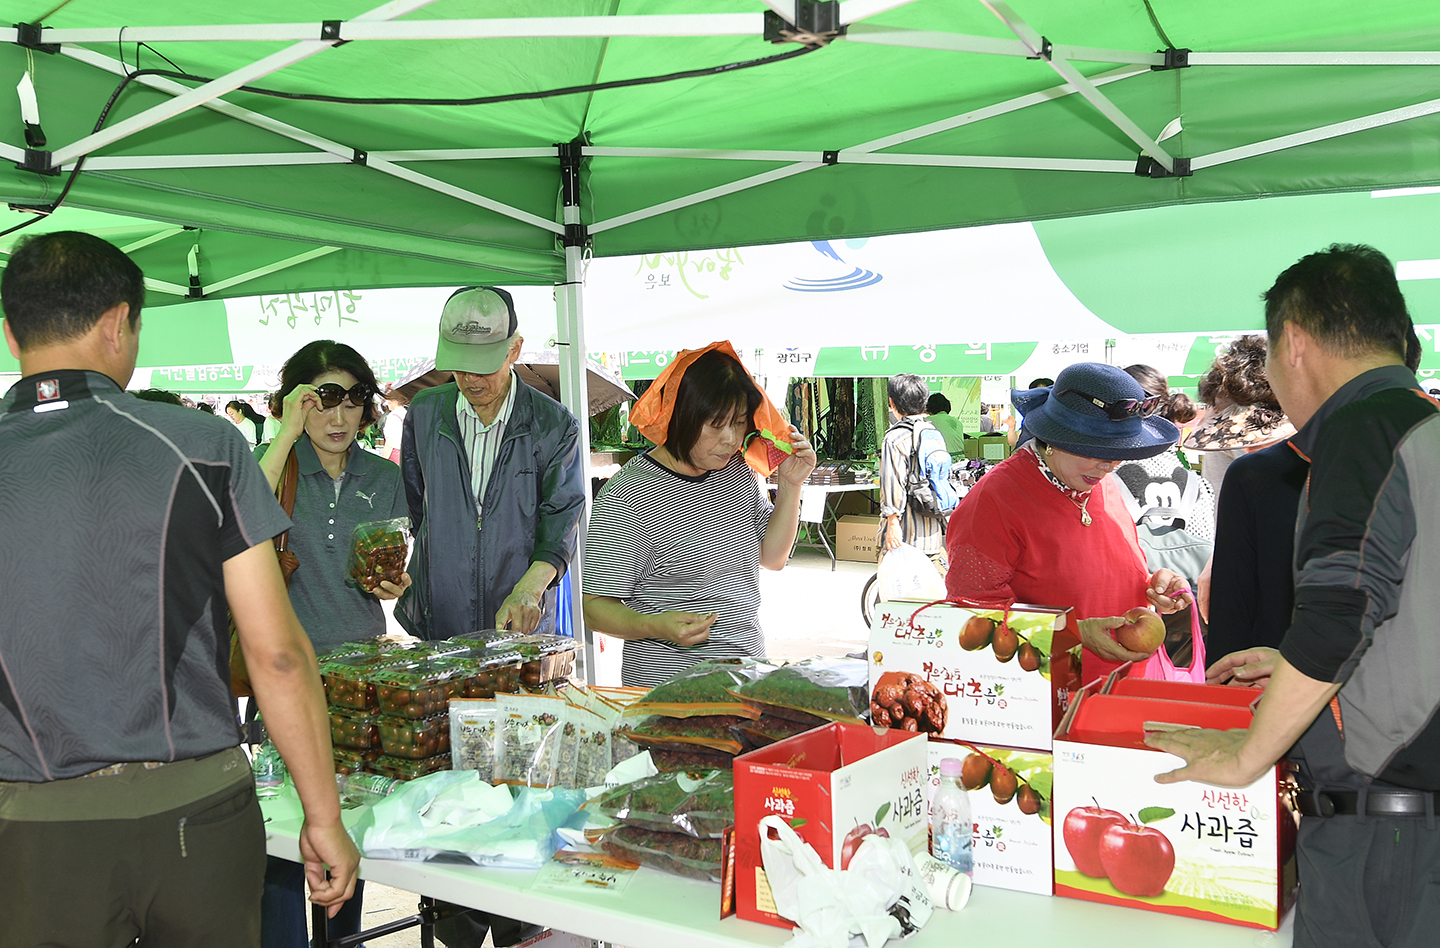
{"points": [[574, 388]]}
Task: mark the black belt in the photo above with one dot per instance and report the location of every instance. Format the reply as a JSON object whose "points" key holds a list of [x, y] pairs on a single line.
{"points": [[1377, 803]]}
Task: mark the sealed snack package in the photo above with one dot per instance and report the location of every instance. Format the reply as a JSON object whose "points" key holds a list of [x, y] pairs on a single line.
{"points": [[679, 757], [472, 735], [699, 804], [771, 729], [378, 552], [529, 739], [826, 688], [704, 731], [706, 688], [593, 758], [674, 853]]}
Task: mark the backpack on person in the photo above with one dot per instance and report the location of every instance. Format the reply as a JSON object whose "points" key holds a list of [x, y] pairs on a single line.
{"points": [[927, 479]]}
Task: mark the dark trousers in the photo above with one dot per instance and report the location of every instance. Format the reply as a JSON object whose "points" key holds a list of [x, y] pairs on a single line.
{"points": [[188, 876], [1368, 883], [284, 908]]}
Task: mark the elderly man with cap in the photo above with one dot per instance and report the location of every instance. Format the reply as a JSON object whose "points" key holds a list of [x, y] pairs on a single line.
{"points": [[494, 482]]}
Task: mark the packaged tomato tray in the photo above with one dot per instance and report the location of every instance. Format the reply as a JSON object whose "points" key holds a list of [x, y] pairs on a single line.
{"points": [[349, 682], [353, 729], [348, 761], [416, 690], [415, 739], [547, 658], [483, 673], [483, 638], [402, 768], [378, 552]]}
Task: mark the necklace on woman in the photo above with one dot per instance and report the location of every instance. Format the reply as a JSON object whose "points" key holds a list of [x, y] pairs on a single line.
{"points": [[1078, 498]]}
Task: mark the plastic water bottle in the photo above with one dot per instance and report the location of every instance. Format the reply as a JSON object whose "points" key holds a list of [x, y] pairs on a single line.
{"points": [[269, 770], [951, 825]]}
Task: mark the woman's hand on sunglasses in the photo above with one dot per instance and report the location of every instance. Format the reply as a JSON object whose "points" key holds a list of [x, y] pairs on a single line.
{"points": [[296, 409]]}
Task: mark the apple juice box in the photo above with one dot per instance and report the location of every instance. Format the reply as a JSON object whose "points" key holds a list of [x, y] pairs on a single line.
{"points": [[994, 676], [1014, 847], [1186, 848], [834, 784]]}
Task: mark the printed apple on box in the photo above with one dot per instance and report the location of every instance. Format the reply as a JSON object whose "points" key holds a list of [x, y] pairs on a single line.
{"points": [[1009, 791], [835, 785], [994, 676], [1186, 848]]}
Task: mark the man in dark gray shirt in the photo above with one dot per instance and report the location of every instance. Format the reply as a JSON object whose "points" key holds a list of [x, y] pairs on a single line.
{"points": [[126, 809]]}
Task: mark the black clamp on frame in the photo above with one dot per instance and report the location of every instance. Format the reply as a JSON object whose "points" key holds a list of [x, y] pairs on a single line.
{"points": [[359, 157], [817, 22], [28, 36], [1174, 59], [38, 162], [830, 157], [571, 154], [1046, 47], [1147, 167]]}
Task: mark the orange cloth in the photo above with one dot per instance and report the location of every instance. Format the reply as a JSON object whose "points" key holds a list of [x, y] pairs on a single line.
{"points": [[652, 413]]}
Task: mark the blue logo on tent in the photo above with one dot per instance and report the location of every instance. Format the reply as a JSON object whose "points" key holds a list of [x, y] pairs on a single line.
{"points": [[853, 280]]}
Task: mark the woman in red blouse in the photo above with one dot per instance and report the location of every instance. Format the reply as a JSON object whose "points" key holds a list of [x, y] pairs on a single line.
{"points": [[1047, 525]]}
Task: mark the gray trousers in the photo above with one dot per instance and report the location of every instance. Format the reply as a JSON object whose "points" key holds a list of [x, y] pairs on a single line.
{"points": [[1371, 882]]}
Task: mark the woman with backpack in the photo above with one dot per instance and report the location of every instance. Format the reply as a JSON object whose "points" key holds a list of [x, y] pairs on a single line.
{"points": [[1048, 526]]}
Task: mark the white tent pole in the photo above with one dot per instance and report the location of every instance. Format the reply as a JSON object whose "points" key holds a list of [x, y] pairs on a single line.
{"points": [[297, 134], [1041, 48], [876, 35], [227, 83], [260, 159], [152, 239], [1322, 133], [700, 196], [1356, 58], [275, 267], [1122, 166], [174, 289], [574, 383]]}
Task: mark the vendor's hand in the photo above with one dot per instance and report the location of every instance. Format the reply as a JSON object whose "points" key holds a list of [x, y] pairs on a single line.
{"points": [[295, 411], [1251, 666], [520, 612], [1095, 635], [797, 467], [892, 534], [683, 628], [1168, 591], [329, 846], [389, 590], [1211, 757], [1202, 584]]}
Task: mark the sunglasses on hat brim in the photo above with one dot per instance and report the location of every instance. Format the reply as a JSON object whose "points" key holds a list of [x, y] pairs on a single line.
{"points": [[1122, 408], [331, 394]]}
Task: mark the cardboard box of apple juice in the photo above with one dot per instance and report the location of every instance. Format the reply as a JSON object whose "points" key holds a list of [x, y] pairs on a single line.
{"points": [[998, 676], [1190, 849], [835, 785], [1010, 791]]}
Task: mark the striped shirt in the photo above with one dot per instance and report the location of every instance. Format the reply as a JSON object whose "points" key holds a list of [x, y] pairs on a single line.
{"points": [[482, 441], [665, 542], [923, 532]]}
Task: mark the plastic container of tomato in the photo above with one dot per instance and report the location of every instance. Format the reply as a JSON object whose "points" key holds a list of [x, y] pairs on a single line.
{"points": [[415, 738], [416, 690], [546, 658], [349, 761], [483, 673], [402, 768], [353, 729]]}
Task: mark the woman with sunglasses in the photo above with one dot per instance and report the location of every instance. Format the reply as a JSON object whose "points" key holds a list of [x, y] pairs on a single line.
{"points": [[327, 394], [1048, 526]]}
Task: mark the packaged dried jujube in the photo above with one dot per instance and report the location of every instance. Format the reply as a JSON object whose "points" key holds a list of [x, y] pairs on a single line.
{"points": [[472, 735], [669, 852], [696, 803], [529, 735]]}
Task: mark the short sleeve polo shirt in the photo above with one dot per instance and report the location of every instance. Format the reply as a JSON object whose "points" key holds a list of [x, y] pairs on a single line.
{"points": [[116, 518]]}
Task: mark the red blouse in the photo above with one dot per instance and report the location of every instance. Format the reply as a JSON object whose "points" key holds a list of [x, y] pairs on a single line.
{"points": [[1015, 536]]}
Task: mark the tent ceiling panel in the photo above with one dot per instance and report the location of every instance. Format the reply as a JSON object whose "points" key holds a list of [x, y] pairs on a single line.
{"points": [[880, 95]]}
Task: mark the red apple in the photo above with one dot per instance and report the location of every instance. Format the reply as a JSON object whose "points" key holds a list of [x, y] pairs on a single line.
{"points": [[1144, 631], [851, 843], [1138, 859], [1083, 829]]}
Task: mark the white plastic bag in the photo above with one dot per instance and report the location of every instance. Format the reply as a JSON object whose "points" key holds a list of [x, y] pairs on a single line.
{"points": [[830, 905], [907, 573]]}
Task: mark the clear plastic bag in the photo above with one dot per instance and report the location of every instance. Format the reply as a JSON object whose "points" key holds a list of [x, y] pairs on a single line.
{"points": [[674, 853], [827, 688], [378, 553], [472, 735], [530, 739], [700, 804], [705, 688]]}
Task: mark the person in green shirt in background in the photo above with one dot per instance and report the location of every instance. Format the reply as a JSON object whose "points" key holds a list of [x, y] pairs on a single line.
{"points": [[938, 408]]}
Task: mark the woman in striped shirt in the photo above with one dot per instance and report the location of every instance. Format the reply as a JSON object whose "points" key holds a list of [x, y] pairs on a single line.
{"points": [[677, 538]]}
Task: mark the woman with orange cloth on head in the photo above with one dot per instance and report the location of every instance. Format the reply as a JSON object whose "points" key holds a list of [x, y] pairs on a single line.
{"points": [[1047, 526], [677, 538]]}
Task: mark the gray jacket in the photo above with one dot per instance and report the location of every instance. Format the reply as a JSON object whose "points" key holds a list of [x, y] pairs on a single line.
{"points": [[533, 503]]}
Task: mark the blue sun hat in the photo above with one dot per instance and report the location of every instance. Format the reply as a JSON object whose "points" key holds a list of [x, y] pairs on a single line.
{"points": [[1096, 411]]}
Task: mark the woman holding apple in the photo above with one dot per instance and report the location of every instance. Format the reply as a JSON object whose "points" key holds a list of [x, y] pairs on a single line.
{"points": [[1047, 526]]}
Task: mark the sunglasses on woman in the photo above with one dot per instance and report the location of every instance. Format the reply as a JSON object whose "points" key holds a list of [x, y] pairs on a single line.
{"points": [[332, 394], [1123, 408]]}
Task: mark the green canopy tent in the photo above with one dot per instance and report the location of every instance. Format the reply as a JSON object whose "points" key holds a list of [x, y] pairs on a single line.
{"points": [[685, 129]]}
